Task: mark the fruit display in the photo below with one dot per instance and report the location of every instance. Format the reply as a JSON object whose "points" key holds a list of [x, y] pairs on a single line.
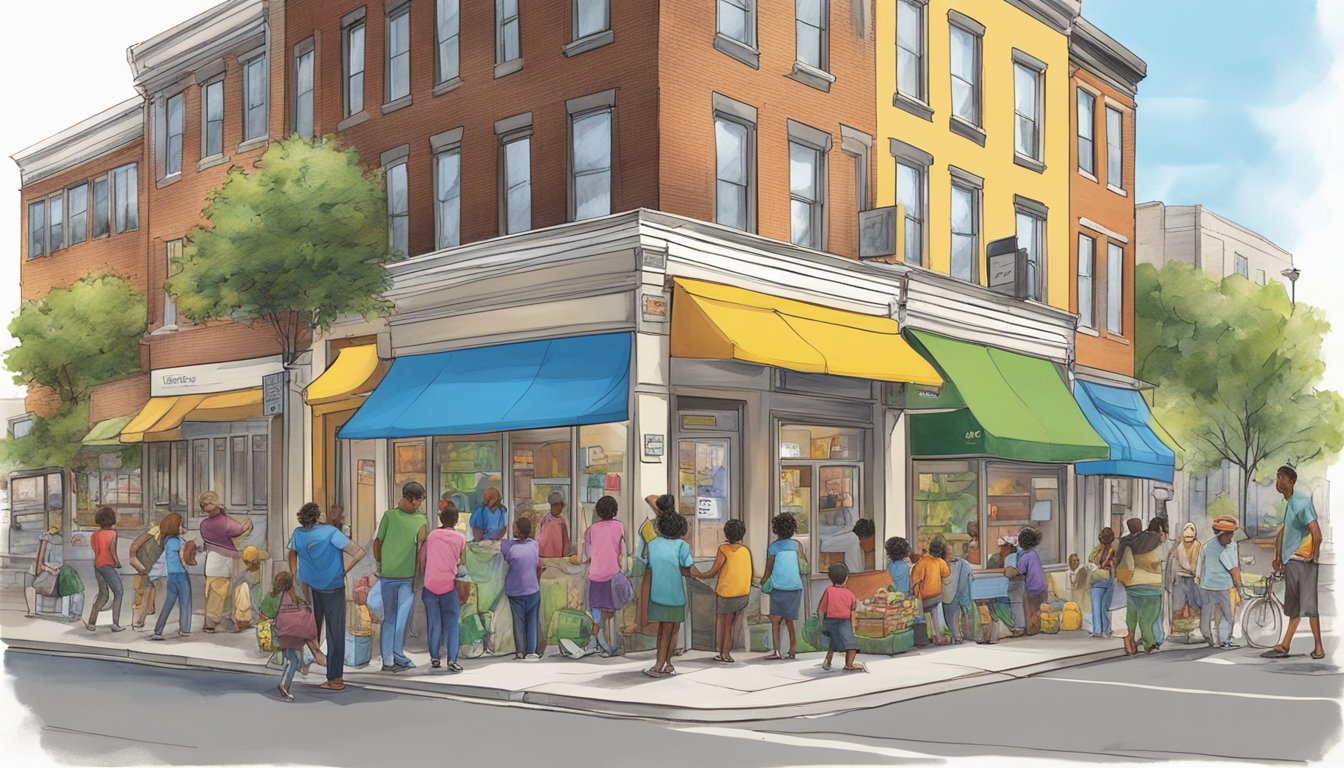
{"points": [[885, 613], [1050, 618]]}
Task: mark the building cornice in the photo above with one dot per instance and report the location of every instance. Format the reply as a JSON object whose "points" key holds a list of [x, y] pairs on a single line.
{"points": [[90, 138], [1102, 55], [1057, 14], [234, 27]]}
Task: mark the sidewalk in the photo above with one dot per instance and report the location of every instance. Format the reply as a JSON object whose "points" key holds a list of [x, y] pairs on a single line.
{"points": [[702, 691]]}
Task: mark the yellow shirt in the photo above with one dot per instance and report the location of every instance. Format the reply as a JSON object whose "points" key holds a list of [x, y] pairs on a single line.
{"points": [[735, 576], [1304, 551]]}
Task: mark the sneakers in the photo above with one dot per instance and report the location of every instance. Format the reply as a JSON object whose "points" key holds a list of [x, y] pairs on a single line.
{"points": [[1229, 645], [156, 636], [532, 657], [118, 628]]}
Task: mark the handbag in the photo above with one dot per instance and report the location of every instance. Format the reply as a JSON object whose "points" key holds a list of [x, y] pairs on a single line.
{"points": [[622, 591], [294, 624], [45, 584]]}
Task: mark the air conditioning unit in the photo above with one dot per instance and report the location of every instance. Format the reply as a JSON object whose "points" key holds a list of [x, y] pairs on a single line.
{"points": [[1007, 267], [878, 232]]}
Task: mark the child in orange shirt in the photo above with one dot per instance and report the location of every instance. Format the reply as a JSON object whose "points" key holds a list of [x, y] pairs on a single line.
{"points": [[836, 611], [926, 583]]}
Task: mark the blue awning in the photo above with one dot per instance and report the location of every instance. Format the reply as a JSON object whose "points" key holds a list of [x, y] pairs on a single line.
{"points": [[528, 385], [1122, 419]]}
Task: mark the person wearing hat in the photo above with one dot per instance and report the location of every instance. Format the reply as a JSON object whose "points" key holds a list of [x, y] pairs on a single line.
{"points": [[1219, 572], [223, 562], [245, 588]]}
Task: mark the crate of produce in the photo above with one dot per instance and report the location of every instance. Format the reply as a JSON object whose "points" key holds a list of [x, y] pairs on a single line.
{"points": [[872, 626], [887, 644], [1050, 621]]}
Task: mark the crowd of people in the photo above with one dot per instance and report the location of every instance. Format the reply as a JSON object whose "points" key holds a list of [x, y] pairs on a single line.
{"points": [[308, 602]]}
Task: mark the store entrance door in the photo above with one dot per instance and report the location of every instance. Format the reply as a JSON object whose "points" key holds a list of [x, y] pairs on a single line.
{"points": [[708, 496]]}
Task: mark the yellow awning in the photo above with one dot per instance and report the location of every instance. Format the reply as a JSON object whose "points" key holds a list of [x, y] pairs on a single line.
{"points": [[161, 418], [352, 375], [719, 322]]}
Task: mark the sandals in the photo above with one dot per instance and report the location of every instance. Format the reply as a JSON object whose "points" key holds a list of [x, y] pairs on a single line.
{"points": [[826, 665], [773, 656], [792, 655], [1318, 656], [284, 694], [855, 668], [1274, 653], [655, 674]]}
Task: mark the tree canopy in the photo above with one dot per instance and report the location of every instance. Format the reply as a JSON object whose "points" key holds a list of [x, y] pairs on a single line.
{"points": [[296, 244], [78, 337], [1238, 371]]}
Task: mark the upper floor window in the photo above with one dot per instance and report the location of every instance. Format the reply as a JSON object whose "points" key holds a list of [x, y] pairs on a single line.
{"points": [[1243, 266], [807, 185], [77, 207], [1087, 262], [1087, 160], [810, 32], [172, 153], [591, 17], [212, 118], [1115, 289], [507, 32], [398, 208], [398, 83], [37, 229], [590, 163], [737, 21], [965, 230], [965, 37], [173, 253], [354, 68], [1031, 236], [1115, 152], [911, 191], [733, 199], [911, 64], [448, 29], [1027, 107], [255, 88], [448, 198], [303, 91], [517, 183], [102, 224], [125, 199]]}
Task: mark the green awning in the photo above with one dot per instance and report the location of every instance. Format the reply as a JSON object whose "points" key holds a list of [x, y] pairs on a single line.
{"points": [[1017, 407], [106, 432]]}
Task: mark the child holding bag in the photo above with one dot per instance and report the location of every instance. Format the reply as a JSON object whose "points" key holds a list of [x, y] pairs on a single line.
{"points": [[283, 600]]}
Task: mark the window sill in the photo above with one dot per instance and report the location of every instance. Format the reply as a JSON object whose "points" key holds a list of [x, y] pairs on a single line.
{"points": [[591, 42], [811, 76], [1029, 163], [966, 130], [913, 106], [738, 50], [393, 106], [168, 181], [1087, 175], [447, 85], [251, 144], [1117, 190], [1117, 338], [1089, 331], [211, 162], [164, 330], [352, 121], [505, 68]]}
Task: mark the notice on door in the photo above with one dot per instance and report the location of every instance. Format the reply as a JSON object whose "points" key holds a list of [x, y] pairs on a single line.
{"points": [[708, 508]]}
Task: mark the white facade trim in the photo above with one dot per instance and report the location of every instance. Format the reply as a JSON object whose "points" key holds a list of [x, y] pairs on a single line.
{"points": [[109, 130], [235, 26], [212, 377]]}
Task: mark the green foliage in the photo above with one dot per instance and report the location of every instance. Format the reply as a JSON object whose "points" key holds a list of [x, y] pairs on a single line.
{"points": [[53, 442], [1238, 371], [1223, 505], [79, 336], [297, 244]]}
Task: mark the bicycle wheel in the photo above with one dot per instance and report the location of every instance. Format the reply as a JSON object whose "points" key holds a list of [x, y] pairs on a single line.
{"points": [[1262, 623]]}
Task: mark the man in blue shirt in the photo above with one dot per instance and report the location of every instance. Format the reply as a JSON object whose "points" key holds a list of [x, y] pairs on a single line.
{"points": [[1297, 549], [1218, 572], [490, 521], [319, 557]]}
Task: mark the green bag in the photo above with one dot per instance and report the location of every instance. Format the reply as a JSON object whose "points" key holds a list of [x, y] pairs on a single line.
{"points": [[68, 582], [572, 624], [766, 586], [471, 629], [802, 563]]}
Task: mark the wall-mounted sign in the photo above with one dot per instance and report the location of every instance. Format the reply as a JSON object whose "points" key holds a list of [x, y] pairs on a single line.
{"points": [[273, 394], [708, 508], [653, 307], [1007, 267], [214, 377], [699, 421], [654, 447]]}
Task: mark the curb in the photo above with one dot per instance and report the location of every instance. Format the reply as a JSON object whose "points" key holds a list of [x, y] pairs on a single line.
{"points": [[583, 705]]}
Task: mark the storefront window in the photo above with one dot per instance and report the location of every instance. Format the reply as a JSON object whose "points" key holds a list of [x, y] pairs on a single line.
{"points": [[947, 504], [238, 486], [261, 485], [602, 472], [106, 482], [704, 481], [1019, 496], [465, 469], [821, 485], [1121, 506], [200, 465], [540, 462]]}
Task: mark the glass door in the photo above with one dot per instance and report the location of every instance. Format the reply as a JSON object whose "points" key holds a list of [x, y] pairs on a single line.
{"points": [[821, 485], [704, 470]]}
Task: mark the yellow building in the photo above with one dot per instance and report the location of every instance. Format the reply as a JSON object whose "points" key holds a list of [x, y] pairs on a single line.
{"points": [[973, 103]]}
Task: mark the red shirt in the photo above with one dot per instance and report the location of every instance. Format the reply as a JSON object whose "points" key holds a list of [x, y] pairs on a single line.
{"points": [[103, 542], [837, 603]]}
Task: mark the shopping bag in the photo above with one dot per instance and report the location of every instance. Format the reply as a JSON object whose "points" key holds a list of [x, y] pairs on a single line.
{"points": [[45, 584], [266, 636], [622, 592], [294, 624], [68, 582]]}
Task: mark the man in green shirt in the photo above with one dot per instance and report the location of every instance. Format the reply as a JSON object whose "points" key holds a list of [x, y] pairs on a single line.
{"points": [[396, 549]]}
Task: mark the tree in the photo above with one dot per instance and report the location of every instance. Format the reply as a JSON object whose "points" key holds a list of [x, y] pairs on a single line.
{"points": [[1238, 372], [70, 341], [295, 245]]}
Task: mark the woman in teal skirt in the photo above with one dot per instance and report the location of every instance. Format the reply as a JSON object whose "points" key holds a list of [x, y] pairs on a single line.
{"points": [[669, 561]]}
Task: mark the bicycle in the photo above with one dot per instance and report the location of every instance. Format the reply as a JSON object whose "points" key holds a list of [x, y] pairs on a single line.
{"points": [[1262, 616]]}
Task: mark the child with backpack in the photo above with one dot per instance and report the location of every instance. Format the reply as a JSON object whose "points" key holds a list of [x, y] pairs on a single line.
{"points": [[732, 565], [282, 593], [836, 613]]}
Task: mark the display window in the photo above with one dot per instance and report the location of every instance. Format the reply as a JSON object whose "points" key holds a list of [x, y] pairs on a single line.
{"points": [[821, 485], [541, 464], [603, 471], [465, 468]]}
